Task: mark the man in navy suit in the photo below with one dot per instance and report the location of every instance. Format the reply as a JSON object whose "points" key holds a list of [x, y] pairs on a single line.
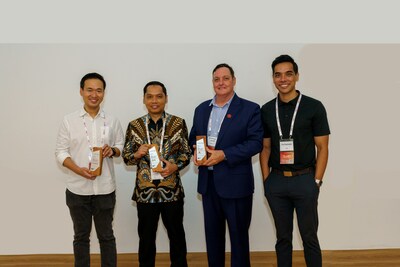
{"points": [[234, 133]]}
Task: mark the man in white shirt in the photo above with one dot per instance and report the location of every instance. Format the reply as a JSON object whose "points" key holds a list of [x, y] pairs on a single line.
{"points": [[89, 196]]}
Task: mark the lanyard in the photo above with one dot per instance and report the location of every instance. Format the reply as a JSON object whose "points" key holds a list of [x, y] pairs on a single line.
{"points": [[88, 139], [162, 133], [293, 119]]}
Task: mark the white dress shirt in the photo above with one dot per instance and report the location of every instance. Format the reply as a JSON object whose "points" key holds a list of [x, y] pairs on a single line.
{"points": [[75, 133]]}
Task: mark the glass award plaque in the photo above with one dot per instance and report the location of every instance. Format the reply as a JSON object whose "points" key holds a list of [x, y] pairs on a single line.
{"points": [[201, 153], [155, 162], [96, 163]]}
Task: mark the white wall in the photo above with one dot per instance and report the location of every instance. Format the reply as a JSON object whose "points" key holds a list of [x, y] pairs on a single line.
{"points": [[39, 84]]}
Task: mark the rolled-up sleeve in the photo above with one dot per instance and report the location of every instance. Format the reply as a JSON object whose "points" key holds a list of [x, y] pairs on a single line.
{"points": [[63, 142], [119, 136]]}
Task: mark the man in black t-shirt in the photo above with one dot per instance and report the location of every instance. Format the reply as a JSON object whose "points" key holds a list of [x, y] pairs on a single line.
{"points": [[293, 161]]}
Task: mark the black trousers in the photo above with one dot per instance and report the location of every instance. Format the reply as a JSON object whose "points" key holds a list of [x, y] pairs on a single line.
{"points": [[172, 217], [101, 209], [284, 195]]}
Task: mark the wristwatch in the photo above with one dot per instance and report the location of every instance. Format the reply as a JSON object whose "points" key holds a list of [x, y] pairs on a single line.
{"points": [[114, 152], [318, 182]]}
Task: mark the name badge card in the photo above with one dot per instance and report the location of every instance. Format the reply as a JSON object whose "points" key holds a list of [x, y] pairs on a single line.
{"points": [[201, 154], [212, 141], [155, 162], [286, 148], [96, 162], [155, 175]]}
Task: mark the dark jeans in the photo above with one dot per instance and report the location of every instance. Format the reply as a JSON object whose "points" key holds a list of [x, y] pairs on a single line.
{"points": [[236, 212], [284, 195], [101, 209], [172, 218]]}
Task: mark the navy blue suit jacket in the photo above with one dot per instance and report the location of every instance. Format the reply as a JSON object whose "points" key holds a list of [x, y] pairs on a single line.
{"points": [[240, 138]]}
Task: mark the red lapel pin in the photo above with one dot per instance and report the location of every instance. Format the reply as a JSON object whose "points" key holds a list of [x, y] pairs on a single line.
{"points": [[229, 116]]}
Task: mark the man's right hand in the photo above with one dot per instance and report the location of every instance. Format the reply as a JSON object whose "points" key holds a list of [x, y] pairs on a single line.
{"points": [[85, 172], [82, 171]]}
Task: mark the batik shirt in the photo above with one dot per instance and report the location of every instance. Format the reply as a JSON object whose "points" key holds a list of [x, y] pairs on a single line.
{"points": [[175, 150]]}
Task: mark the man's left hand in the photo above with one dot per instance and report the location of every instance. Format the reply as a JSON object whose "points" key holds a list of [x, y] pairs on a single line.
{"points": [[169, 168], [107, 151], [215, 157]]}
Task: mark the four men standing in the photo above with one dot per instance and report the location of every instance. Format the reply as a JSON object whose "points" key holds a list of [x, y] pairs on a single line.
{"points": [[293, 158]]}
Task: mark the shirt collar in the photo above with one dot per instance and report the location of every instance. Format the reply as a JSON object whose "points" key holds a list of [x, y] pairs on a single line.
{"points": [[292, 102], [101, 113], [163, 116], [212, 103]]}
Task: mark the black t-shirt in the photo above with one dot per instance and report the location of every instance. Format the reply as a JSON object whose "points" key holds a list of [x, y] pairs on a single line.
{"points": [[311, 120]]}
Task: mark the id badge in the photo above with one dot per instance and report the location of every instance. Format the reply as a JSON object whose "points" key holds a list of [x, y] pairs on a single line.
{"points": [[286, 151], [212, 141], [155, 175], [90, 156]]}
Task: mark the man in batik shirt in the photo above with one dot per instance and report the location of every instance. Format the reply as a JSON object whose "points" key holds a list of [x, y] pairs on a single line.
{"points": [[158, 191]]}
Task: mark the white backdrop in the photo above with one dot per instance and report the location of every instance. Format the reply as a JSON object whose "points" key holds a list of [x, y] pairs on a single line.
{"points": [[39, 84]]}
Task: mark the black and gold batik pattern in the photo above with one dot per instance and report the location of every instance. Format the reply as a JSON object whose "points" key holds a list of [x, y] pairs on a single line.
{"points": [[175, 149]]}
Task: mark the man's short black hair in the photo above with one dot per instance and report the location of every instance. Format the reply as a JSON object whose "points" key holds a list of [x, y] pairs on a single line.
{"points": [[282, 59], [152, 83], [224, 65], [92, 75]]}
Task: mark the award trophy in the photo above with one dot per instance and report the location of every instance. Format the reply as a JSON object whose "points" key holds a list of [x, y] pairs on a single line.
{"points": [[155, 162], [97, 161], [201, 154]]}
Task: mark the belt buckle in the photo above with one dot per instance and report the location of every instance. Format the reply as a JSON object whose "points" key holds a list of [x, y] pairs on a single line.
{"points": [[287, 173]]}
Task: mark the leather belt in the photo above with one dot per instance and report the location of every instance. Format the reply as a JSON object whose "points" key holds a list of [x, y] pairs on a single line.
{"points": [[293, 173]]}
